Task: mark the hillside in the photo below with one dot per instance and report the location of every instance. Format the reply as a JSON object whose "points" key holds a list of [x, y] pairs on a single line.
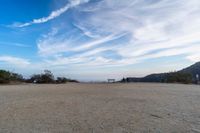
{"points": [[193, 69], [186, 75]]}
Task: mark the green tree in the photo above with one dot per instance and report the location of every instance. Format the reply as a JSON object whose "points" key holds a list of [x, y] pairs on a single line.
{"points": [[4, 76], [46, 77], [7, 77], [62, 80]]}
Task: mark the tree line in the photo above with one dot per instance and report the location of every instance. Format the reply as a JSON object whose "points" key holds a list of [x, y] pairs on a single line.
{"points": [[46, 77], [7, 77], [172, 77], [187, 75]]}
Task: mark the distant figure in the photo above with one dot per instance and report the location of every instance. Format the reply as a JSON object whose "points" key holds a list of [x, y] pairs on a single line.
{"points": [[111, 80], [197, 78]]}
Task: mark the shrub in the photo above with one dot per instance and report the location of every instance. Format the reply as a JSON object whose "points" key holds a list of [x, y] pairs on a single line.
{"points": [[46, 77], [179, 77], [4, 76], [7, 77], [61, 80]]}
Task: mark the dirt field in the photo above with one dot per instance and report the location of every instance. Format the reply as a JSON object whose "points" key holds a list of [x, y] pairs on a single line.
{"points": [[100, 108]]}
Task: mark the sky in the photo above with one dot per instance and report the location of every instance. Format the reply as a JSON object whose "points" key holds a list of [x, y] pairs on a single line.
{"points": [[93, 40]]}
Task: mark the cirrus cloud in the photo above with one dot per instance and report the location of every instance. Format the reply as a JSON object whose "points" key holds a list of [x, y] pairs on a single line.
{"points": [[53, 15], [152, 29]]}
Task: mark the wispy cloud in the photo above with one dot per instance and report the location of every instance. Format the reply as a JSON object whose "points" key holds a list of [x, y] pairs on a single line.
{"points": [[54, 14], [86, 32], [154, 29], [52, 44], [194, 57], [153, 25], [15, 44], [17, 62]]}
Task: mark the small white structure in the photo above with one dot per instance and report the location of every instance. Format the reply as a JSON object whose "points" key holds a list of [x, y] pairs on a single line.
{"points": [[111, 80]]}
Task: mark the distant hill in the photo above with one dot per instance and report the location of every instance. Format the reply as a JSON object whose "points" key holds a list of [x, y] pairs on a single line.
{"points": [[187, 75]]}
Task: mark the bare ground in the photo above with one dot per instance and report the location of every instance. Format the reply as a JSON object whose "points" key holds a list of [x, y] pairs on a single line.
{"points": [[100, 108]]}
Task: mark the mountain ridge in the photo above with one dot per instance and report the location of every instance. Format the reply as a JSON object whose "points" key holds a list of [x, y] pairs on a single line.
{"points": [[185, 75]]}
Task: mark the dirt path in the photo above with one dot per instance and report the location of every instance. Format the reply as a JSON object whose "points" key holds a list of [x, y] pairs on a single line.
{"points": [[100, 108]]}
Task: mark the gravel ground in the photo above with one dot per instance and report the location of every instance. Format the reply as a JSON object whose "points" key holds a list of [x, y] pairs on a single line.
{"points": [[100, 108]]}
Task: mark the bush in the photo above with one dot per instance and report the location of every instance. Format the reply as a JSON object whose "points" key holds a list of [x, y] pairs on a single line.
{"points": [[16, 77], [46, 77], [4, 76], [179, 77], [61, 80], [7, 77]]}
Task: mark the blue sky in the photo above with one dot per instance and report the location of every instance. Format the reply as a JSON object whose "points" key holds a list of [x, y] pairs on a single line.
{"points": [[99, 39]]}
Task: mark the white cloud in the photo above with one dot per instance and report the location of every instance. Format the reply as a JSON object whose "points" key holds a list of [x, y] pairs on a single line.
{"points": [[194, 57], [15, 44], [17, 62], [52, 44], [86, 32], [154, 25], [54, 14], [154, 29]]}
